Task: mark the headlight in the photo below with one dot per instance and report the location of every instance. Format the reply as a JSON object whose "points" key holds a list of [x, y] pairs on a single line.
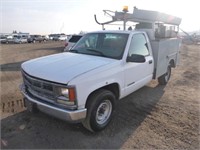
{"points": [[67, 96], [64, 92]]}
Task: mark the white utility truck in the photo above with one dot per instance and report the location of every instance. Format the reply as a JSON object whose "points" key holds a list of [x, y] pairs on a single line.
{"points": [[84, 84]]}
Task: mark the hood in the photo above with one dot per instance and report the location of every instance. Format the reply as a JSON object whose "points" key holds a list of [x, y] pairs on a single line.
{"points": [[63, 67]]}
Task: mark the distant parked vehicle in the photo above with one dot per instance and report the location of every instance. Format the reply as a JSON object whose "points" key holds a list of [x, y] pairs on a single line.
{"points": [[72, 40], [58, 37], [20, 40], [31, 39], [3, 40], [35, 38], [53, 36], [45, 37], [11, 38], [62, 38]]}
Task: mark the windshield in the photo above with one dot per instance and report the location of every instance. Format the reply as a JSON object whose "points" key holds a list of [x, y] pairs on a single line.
{"points": [[109, 45]]}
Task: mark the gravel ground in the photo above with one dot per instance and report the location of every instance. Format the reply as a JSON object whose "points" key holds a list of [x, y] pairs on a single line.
{"points": [[154, 117]]}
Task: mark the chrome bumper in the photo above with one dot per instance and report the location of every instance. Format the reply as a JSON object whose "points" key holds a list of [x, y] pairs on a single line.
{"points": [[67, 115]]}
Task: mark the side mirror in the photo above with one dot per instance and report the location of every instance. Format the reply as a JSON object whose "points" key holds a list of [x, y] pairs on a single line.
{"points": [[136, 58]]}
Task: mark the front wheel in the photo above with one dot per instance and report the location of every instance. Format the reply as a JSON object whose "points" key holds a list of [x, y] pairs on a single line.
{"points": [[100, 108], [163, 80]]}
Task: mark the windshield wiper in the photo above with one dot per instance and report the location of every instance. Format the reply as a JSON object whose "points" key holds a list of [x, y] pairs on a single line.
{"points": [[74, 51], [94, 50]]}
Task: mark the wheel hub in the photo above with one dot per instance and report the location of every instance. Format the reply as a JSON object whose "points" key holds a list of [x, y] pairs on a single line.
{"points": [[103, 112]]}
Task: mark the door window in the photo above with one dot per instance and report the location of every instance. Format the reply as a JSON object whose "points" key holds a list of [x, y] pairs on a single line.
{"points": [[138, 45]]}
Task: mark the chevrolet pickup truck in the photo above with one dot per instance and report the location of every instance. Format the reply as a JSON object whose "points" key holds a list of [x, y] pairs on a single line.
{"points": [[84, 84]]}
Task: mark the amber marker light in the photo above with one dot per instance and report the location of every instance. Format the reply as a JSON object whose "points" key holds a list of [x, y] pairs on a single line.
{"points": [[125, 9], [72, 94]]}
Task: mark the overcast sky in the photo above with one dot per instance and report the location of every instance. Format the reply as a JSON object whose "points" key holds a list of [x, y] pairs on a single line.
{"points": [[73, 16]]}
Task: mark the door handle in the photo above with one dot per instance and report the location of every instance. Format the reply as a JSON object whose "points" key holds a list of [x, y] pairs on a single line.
{"points": [[150, 61]]}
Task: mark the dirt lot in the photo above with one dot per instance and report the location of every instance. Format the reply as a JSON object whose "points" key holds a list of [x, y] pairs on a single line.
{"points": [[154, 117]]}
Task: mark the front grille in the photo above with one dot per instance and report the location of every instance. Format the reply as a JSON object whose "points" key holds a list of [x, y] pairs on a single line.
{"points": [[39, 88]]}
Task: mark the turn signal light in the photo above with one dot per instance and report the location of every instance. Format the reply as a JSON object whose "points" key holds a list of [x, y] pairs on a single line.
{"points": [[72, 94]]}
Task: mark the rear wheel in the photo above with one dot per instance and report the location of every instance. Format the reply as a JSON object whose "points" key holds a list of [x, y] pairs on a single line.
{"points": [[163, 80], [100, 108]]}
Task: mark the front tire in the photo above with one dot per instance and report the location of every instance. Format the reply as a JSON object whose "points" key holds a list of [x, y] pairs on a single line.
{"points": [[100, 108], [163, 80]]}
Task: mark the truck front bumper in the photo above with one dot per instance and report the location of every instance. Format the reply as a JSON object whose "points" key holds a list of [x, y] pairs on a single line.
{"points": [[67, 115]]}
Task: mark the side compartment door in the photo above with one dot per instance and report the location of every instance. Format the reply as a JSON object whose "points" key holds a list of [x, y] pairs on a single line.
{"points": [[138, 74]]}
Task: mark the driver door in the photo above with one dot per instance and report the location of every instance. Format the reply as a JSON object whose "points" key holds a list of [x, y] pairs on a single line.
{"points": [[138, 74]]}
